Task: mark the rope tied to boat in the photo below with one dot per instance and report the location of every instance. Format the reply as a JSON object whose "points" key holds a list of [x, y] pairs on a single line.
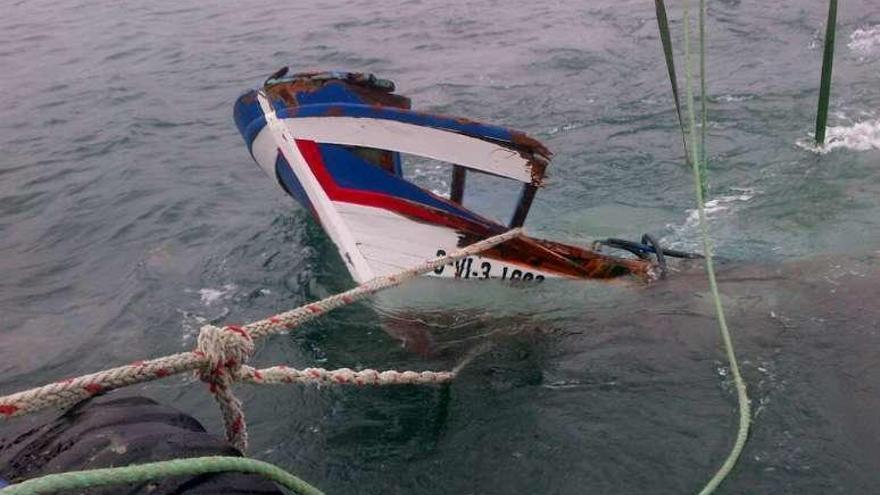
{"points": [[221, 354]]}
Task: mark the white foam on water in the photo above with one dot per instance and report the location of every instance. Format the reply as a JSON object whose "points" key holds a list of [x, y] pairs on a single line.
{"points": [[717, 205], [865, 41], [209, 296], [567, 127], [191, 324], [731, 98], [860, 136], [685, 235], [443, 192]]}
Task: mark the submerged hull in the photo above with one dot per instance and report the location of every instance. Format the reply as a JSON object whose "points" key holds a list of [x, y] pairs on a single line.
{"points": [[334, 143]]}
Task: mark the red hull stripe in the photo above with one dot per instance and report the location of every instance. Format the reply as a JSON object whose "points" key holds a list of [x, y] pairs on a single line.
{"points": [[312, 155]]}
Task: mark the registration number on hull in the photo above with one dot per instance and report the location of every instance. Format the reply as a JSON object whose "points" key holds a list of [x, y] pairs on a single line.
{"points": [[482, 269]]}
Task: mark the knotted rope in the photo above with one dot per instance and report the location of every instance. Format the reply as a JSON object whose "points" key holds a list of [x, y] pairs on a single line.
{"points": [[226, 350], [221, 353]]}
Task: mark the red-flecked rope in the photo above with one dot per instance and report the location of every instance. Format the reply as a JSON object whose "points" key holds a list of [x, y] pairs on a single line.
{"points": [[342, 376], [221, 354]]}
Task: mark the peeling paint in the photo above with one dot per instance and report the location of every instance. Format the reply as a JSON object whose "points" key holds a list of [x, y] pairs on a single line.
{"points": [[363, 115]]}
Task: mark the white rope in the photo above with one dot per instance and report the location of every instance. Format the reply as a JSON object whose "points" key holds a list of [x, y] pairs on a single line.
{"points": [[221, 354], [343, 376], [296, 317]]}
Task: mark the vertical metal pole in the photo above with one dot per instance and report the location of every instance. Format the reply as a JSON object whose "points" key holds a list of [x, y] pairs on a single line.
{"points": [[825, 85]]}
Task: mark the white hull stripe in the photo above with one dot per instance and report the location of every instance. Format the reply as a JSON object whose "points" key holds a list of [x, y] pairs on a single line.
{"points": [[439, 144], [324, 209]]}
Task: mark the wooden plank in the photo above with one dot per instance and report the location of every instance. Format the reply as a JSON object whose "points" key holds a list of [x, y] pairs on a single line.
{"points": [[323, 207], [446, 146]]}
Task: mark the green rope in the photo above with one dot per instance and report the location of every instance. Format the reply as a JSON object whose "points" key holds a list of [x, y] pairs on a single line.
{"points": [[742, 396], [139, 473]]}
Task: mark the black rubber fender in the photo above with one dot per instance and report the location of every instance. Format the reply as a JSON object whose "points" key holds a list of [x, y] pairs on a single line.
{"points": [[117, 430]]}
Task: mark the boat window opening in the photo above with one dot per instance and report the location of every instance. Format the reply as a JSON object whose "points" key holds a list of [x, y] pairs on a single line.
{"points": [[491, 196], [429, 174], [384, 159], [487, 195]]}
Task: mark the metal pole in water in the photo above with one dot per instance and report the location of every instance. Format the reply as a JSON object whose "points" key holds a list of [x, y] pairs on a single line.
{"points": [[825, 85], [665, 41]]}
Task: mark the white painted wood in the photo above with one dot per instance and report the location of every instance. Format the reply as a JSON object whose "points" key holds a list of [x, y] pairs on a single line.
{"points": [[265, 151], [393, 239], [373, 241], [330, 219], [391, 242], [443, 145]]}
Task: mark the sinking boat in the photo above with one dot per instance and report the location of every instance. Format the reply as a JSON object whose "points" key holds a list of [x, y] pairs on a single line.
{"points": [[336, 142]]}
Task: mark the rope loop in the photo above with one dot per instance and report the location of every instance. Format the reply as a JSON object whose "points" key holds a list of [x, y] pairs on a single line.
{"points": [[221, 353], [225, 350]]}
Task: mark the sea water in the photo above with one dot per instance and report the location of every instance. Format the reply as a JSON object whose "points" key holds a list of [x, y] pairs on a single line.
{"points": [[131, 214]]}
